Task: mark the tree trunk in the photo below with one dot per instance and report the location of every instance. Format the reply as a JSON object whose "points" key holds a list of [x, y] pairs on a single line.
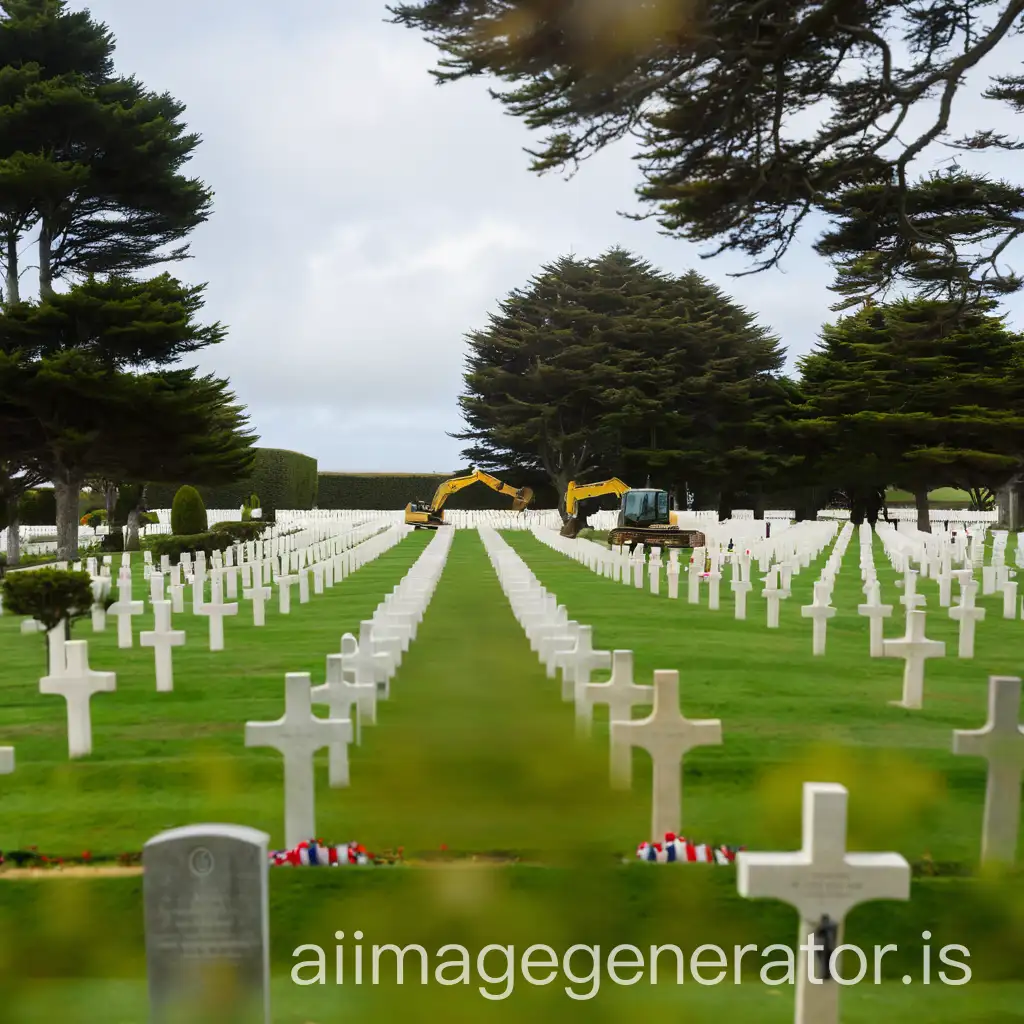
{"points": [[132, 540], [110, 499], [13, 289], [924, 522], [67, 487], [724, 506], [13, 536], [45, 263], [561, 482], [759, 505]]}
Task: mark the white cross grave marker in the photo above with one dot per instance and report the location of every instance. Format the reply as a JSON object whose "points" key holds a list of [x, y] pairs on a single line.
{"points": [[215, 609], [298, 735], [77, 686], [820, 611], [823, 882], [341, 696], [162, 638], [124, 608], [1001, 743], [621, 694], [876, 611], [968, 615], [666, 734], [577, 663], [6, 760], [258, 595], [915, 648], [284, 592]]}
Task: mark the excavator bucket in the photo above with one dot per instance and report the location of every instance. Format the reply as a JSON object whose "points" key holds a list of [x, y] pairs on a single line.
{"points": [[522, 499], [571, 527]]}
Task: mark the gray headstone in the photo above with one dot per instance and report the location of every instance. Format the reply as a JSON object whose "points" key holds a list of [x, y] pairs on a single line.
{"points": [[207, 925]]}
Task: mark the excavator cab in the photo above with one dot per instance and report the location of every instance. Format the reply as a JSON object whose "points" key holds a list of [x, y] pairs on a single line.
{"points": [[644, 507]]}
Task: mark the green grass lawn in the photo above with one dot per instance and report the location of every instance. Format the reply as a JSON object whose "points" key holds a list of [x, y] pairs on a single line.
{"points": [[475, 752]]}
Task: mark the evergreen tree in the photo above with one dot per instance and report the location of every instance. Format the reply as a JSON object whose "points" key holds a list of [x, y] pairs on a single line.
{"points": [[718, 93], [920, 394], [91, 161], [725, 432], [608, 367], [545, 381], [68, 366]]}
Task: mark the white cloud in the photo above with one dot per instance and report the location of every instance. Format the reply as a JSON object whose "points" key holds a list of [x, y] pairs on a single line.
{"points": [[366, 219]]}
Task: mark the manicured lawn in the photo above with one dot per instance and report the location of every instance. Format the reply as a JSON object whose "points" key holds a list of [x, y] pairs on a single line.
{"points": [[788, 716], [475, 752]]}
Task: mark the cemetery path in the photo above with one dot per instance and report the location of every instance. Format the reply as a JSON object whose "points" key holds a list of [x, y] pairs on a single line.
{"points": [[475, 751]]}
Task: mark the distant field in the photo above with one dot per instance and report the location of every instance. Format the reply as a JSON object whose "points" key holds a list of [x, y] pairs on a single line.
{"points": [[940, 496]]}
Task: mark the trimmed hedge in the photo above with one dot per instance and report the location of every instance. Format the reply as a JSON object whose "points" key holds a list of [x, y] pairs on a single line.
{"points": [[188, 513], [281, 478], [249, 530], [220, 537], [38, 507], [395, 490]]}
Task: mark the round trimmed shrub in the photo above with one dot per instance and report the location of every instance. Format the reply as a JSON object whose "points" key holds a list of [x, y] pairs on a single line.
{"points": [[188, 513]]}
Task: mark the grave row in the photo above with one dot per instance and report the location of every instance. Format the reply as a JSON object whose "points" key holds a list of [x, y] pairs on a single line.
{"points": [[821, 880]]}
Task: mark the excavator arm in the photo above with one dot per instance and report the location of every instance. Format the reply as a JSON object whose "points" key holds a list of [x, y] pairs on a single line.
{"points": [[576, 493], [522, 496]]}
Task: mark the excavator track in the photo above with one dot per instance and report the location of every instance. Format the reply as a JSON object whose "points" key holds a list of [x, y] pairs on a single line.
{"points": [[656, 537]]}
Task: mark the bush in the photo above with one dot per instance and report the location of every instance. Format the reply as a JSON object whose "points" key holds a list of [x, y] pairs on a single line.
{"points": [[149, 519], [48, 595], [173, 545], [188, 513], [240, 531], [38, 508], [95, 517]]}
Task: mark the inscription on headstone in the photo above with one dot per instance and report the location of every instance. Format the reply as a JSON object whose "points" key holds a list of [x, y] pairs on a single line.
{"points": [[207, 925]]}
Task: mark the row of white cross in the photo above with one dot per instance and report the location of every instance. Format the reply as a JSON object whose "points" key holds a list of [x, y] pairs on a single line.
{"points": [[1000, 741], [71, 677], [356, 679], [822, 880]]}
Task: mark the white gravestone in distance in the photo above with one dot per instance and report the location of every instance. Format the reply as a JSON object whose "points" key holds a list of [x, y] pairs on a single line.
{"points": [[346, 701], [875, 611], [621, 694], [820, 611], [968, 615], [1001, 743], [162, 638], [124, 608], [914, 648], [258, 595], [577, 664], [298, 736], [823, 882], [207, 925], [667, 735], [6, 760], [215, 609], [77, 686]]}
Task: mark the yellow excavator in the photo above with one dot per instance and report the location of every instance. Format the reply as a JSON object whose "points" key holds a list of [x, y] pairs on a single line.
{"points": [[644, 516], [430, 515]]}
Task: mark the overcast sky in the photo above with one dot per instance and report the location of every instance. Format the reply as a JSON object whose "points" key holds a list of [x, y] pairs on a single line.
{"points": [[365, 219]]}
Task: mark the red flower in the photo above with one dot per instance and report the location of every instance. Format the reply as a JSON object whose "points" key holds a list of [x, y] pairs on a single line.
{"points": [[86, 855], [444, 846]]}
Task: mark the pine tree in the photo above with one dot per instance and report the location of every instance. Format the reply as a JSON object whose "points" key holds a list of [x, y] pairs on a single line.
{"points": [[920, 394], [552, 384], [717, 94], [91, 161]]}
